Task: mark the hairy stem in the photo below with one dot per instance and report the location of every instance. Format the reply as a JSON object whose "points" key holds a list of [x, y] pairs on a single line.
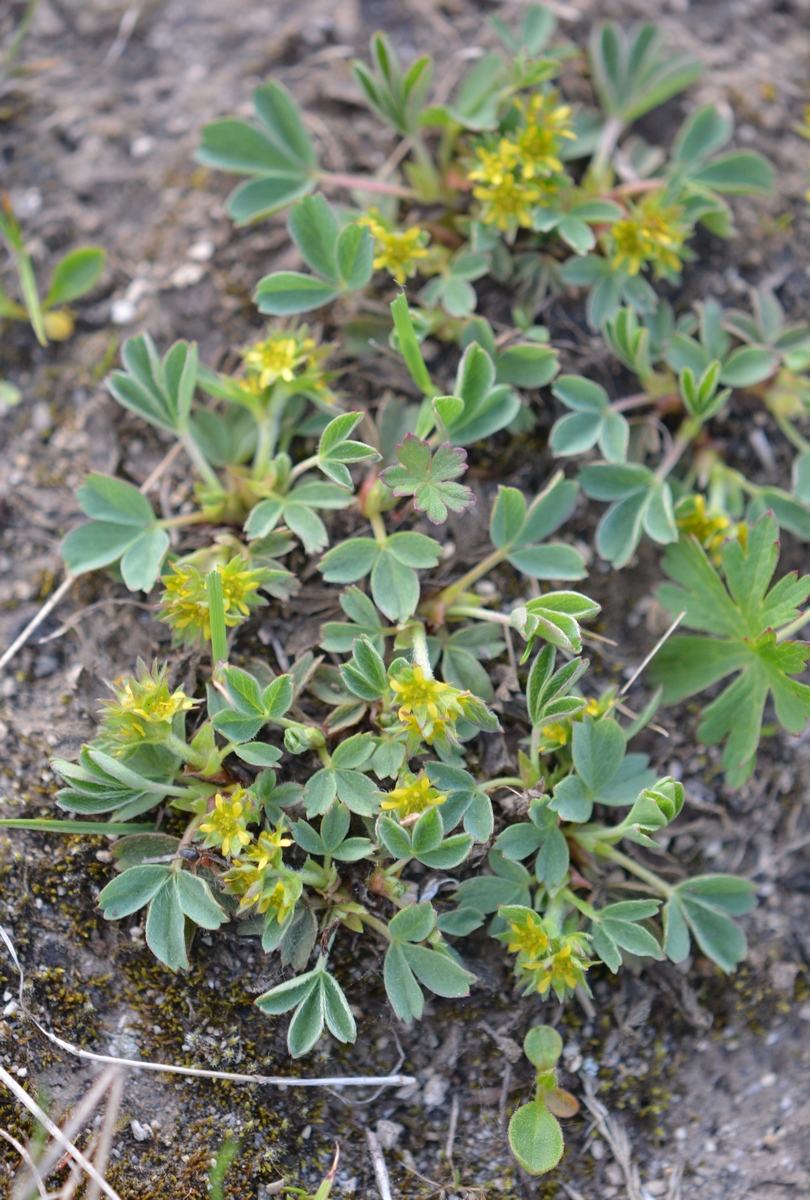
{"points": [[635, 868], [202, 464], [448, 595], [365, 183]]}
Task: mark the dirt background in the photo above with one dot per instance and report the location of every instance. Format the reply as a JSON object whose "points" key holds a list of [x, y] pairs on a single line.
{"points": [[709, 1076]]}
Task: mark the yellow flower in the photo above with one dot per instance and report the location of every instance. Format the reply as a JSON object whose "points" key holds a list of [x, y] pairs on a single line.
{"points": [[286, 356], [226, 825], [563, 971], [538, 143], [528, 937], [268, 848], [143, 709], [711, 530], [397, 251], [184, 603], [652, 233], [557, 733], [413, 796], [507, 200]]}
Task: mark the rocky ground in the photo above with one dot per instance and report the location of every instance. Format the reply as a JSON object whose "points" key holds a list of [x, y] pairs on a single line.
{"points": [[708, 1077]]}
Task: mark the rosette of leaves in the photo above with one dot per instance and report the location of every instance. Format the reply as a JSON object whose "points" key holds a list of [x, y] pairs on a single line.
{"points": [[742, 615]]}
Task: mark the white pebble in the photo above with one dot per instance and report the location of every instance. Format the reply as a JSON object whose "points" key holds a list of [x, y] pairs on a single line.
{"points": [[201, 251], [122, 312], [142, 146], [187, 275], [389, 1133], [141, 1133]]}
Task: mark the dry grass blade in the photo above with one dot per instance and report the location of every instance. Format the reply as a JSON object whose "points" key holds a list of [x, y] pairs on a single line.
{"points": [[380, 1169], [616, 1137], [56, 1133]]}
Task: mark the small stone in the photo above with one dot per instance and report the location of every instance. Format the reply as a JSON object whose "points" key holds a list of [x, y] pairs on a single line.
{"points": [[389, 1133], [21, 1072], [187, 275], [767, 1080], [122, 312], [613, 1174], [435, 1091], [11, 1008], [598, 1149], [202, 251], [656, 1187], [306, 1133], [3, 731], [804, 1012], [142, 146], [141, 1133]]}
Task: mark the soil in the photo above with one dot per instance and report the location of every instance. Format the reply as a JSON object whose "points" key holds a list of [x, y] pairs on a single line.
{"points": [[709, 1076]]}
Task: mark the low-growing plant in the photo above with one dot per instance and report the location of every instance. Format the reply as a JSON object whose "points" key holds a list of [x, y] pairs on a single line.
{"points": [[49, 317], [347, 794]]}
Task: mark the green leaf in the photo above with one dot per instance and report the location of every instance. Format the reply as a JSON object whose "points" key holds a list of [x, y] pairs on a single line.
{"points": [[307, 1023], [394, 586], [159, 392], [287, 995], [166, 927], [107, 499], [349, 561], [287, 292], [314, 229], [75, 275], [401, 987], [197, 902], [365, 675], [339, 1019], [414, 923], [738, 173], [355, 256], [438, 972], [535, 1138], [428, 478], [132, 889], [743, 614], [140, 565]]}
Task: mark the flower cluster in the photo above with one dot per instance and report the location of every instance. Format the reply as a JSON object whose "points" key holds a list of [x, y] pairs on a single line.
{"points": [[398, 251], [710, 528], [143, 710], [184, 603], [261, 880], [413, 796], [429, 709], [546, 960], [523, 170], [652, 234], [225, 827], [288, 357]]}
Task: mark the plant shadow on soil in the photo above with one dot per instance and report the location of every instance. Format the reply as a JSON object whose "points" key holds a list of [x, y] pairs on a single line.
{"points": [[709, 1074]]}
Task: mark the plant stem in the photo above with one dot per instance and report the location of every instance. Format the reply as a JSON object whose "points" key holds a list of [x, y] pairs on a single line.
{"points": [[682, 440], [264, 446], [365, 183], [448, 595], [179, 747], [637, 400], [586, 909], [301, 467], [420, 650], [477, 614], [216, 617], [182, 520], [502, 781], [201, 462], [623, 860], [611, 132], [792, 434], [375, 924], [378, 526]]}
